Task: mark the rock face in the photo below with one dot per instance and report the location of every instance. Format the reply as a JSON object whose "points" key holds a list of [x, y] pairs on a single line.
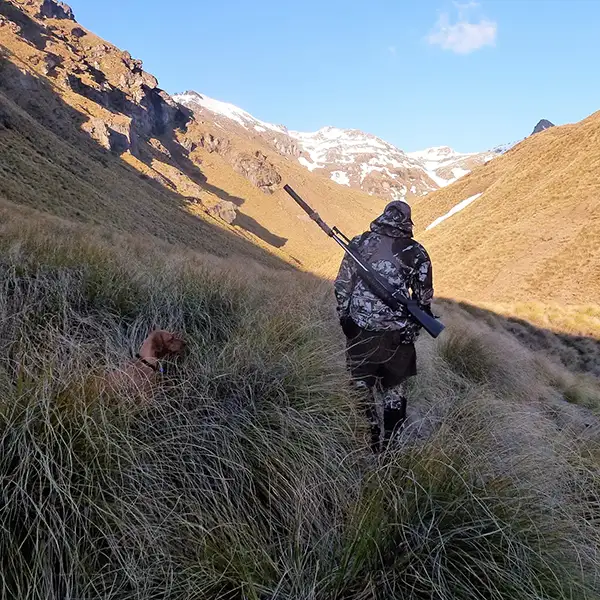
{"points": [[50, 9], [542, 126], [4, 22], [224, 210], [134, 112], [116, 138], [258, 170]]}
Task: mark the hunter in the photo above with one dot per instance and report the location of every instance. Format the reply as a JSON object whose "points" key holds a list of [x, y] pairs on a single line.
{"points": [[380, 341]]}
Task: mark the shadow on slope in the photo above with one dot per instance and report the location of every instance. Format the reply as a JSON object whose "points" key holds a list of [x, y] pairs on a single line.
{"points": [[576, 352], [30, 30], [49, 163], [253, 226]]}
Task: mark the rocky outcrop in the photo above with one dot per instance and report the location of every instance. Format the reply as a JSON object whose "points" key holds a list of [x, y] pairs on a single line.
{"points": [[51, 9], [285, 145], [136, 116], [258, 170], [255, 167], [10, 25], [542, 126], [115, 138], [383, 186], [209, 142], [224, 210], [50, 63], [78, 33]]}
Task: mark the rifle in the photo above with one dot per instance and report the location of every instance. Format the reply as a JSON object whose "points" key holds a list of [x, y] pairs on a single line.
{"points": [[378, 284]]}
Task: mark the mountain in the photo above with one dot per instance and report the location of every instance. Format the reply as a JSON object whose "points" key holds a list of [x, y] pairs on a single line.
{"points": [[348, 157], [86, 133], [523, 227], [542, 126]]}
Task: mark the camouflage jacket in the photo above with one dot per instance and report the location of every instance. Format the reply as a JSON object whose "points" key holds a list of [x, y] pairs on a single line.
{"points": [[389, 248]]}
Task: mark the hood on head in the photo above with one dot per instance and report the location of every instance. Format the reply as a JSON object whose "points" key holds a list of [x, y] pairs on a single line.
{"points": [[395, 221]]}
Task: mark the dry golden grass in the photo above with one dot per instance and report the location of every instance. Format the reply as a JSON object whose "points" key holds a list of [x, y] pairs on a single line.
{"points": [[533, 234], [582, 320]]}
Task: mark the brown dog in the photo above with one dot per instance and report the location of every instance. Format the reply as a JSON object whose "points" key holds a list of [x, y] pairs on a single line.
{"points": [[141, 374]]}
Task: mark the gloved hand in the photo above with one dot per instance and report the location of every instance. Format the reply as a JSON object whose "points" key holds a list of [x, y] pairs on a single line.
{"points": [[427, 309], [349, 327]]}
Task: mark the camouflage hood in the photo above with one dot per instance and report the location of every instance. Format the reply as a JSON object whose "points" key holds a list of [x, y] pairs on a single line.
{"points": [[395, 221]]}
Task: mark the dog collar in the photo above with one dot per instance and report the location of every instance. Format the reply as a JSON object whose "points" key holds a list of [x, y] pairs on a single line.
{"points": [[156, 368]]}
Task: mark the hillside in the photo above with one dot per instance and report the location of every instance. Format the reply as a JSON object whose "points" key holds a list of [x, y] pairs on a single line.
{"points": [[525, 226], [87, 133], [244, 470], [247, 473], [349, 157]]}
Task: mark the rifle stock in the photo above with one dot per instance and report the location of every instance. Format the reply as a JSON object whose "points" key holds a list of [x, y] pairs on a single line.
{"points": [[379, 286]]}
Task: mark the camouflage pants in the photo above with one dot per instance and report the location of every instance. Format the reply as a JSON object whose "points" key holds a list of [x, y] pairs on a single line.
{"points": [[385, 409]]}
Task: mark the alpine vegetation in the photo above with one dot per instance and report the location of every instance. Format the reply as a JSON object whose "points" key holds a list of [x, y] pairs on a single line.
{"points": [[248, 473]]}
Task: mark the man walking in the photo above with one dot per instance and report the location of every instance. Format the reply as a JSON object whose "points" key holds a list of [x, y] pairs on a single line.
{"points": [[380, 341]]}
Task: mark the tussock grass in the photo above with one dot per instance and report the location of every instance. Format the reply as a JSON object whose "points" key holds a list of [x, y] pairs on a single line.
{"points": [[248, 475]]}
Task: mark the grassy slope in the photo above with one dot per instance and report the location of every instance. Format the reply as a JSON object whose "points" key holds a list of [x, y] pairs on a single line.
{"points": [[171, 181], [248, 475], [533, 234]]}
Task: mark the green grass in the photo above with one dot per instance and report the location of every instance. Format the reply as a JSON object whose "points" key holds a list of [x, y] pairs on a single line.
{"points": [[248, 474]]}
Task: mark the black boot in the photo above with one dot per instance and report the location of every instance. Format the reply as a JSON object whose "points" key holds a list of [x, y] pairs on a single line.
{"points": [[375, 430], [367, 404], [393, 421]]}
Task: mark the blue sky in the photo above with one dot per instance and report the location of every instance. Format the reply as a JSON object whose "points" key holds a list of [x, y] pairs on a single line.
{"points": [[418, 73]]}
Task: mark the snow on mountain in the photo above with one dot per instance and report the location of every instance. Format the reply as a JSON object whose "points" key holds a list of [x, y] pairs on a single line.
{"points": [[444, 165], [348, 157], [230, 111], [361, 160], [502, 148]]}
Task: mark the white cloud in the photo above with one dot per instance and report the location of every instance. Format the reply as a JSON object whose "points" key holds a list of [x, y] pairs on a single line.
{"points": [[392, 50], [465, 35]]}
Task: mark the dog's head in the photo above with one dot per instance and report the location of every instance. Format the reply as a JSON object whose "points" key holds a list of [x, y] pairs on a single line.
{"points": [[165, 343]]}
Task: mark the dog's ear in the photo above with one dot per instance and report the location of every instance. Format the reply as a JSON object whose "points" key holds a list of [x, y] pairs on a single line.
{"points": [[173, 343]]}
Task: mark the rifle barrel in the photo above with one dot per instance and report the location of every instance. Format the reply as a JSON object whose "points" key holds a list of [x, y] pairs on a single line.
{"points": [[313, 214], [373, 279]]}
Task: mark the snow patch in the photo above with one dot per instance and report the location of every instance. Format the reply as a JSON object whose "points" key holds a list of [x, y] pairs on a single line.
{"points": [[399, 194], [225, 109], [438, 154], [259, 128], [310, 166], [503, 148], [453, 211], [366, 169], [440, 181], [340, 177], [458, 172]]}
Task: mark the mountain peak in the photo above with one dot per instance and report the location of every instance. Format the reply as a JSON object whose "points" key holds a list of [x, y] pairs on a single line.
{"points": [[201, 102], [349, 157], [54, 9], [542, 126]]}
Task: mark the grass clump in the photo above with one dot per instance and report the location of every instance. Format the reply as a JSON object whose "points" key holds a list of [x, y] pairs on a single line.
{"points": [[247, 474]]}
